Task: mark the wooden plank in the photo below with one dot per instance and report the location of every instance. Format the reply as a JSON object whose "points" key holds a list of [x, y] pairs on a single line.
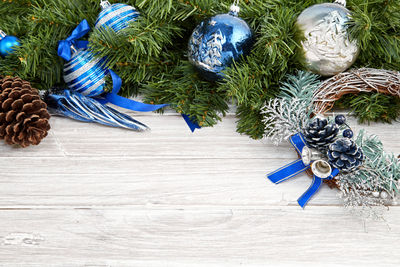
{"points": [[318, 236], [170, 138], [129, 181]]}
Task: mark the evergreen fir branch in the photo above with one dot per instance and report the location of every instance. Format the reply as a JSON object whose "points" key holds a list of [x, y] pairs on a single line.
{"points": [[144, 40], [372, 106], [187, 95]]}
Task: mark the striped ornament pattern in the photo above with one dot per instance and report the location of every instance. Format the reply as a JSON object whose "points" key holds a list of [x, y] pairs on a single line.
{"points": [[116, 17], [86, 74]]}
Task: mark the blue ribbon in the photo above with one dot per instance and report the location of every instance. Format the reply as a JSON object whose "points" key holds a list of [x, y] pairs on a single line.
{"points": [[123, 102], [64, 46], [292, 169]]}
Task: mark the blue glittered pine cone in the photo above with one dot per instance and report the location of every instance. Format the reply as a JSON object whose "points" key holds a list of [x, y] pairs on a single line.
{"points": [[86, 74], [116, 16], [218, 41], [345, 155], [319, 134]]}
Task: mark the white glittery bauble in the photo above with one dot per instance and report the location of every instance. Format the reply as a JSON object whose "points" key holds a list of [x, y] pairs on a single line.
{"points": [[327, 48]]}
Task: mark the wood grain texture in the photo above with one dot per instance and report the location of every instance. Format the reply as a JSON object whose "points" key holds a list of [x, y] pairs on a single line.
{"points": [[96, 196]]}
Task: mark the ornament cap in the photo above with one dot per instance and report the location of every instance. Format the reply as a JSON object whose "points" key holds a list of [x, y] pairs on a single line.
{"points": [[73, 49], [104, 4], [234, 10], [341, 2], [2, 35]]}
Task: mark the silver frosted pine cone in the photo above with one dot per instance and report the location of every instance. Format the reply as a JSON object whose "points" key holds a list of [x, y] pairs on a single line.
{"points": [[320, 134], [345, 155]]}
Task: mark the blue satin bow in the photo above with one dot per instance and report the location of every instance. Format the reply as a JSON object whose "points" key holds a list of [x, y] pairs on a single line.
{"points": [[64, 51], [64, 46], [297, 167]]}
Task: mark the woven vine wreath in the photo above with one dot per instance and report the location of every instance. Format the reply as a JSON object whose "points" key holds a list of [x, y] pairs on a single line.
{"points": [[353, 82], [366, 176]]}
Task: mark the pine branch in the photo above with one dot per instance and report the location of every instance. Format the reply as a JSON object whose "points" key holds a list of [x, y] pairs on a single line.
{"points": [[372, 106]]}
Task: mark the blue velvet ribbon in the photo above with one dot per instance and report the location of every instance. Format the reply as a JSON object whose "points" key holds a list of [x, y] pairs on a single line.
{"points": [[64, 51], [292, 169]]}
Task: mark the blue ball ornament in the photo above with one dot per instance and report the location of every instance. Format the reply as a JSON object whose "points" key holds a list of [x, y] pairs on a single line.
{"points": [[348, 133], [8, 45], [86, 74], [340, 119], [116, 16], [218, 41]]}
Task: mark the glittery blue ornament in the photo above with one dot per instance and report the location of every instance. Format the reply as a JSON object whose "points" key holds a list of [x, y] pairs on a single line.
{"points": [[116, 16], [83, 72], [86, 74], [217, 41], [7, 44]]}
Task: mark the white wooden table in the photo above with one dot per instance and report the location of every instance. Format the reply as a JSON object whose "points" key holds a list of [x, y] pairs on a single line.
{"points": [[90, 195]]}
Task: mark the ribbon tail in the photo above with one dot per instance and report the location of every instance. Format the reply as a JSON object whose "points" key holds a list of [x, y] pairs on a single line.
{"points": [[288, 171], [303, 200], [124, 102], [192, 124]]}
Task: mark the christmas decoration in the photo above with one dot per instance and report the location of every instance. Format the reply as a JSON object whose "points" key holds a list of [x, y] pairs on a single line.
{"points": [[79, 107], [319, 134], [7, 43], [367, 177], [150, 55], [354, 82], [83, 72], [345, 155], [24, 119], [217, 42], [327, 47], [116, 16]]}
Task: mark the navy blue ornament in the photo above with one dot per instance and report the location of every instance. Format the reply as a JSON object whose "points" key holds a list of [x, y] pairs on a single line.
{"points": [[348, 133], [7, 44], [116, 16], [217, 41], [79, 107], [340, 119]]}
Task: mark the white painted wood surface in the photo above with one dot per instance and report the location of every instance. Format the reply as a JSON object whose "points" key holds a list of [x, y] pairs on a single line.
{"points": [[96, 196]]}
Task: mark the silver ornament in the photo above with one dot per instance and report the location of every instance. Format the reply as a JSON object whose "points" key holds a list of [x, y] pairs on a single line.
{"points": [[326, 45]]}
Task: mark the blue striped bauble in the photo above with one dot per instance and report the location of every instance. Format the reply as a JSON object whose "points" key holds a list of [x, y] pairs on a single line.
{"points": [[116, 16], [86, 74]]}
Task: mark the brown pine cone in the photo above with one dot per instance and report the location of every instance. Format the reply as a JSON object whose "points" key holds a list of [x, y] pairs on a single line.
{"points": [[24, 119]]}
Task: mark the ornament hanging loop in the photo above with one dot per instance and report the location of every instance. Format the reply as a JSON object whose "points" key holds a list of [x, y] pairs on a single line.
{"points": [[104, 4], [2, 35], [341, 2], [235, 9]]}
